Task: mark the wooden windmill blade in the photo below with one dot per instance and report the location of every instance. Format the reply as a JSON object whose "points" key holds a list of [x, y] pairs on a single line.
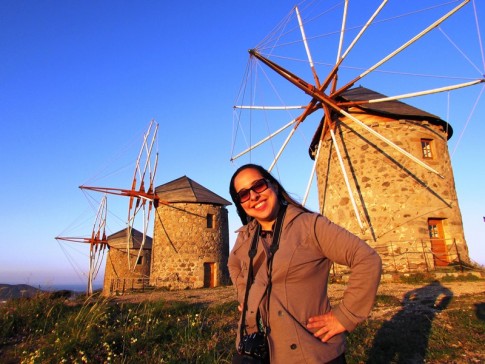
{"points": [[363, 122], [141, 195], [97, 243]]}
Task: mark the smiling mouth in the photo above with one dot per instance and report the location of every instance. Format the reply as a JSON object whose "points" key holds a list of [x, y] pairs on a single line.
{"points": [[259, 204]]}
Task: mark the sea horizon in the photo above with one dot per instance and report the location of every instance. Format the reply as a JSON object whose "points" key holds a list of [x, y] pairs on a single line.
{"points": [[75, 287]]}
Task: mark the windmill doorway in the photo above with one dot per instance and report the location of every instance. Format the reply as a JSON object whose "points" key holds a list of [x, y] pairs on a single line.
{"points": [[438, 245], [209, 275]]}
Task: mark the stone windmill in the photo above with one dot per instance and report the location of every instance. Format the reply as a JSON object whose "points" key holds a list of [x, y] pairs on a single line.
{"points": [[410, 215], [382, 166], [191, 237], [118, 275]]}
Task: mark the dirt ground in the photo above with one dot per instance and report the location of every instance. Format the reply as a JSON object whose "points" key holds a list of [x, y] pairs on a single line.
{"points": [[215, 296]]}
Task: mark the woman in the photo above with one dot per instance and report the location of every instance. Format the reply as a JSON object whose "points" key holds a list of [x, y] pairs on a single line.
{"points": [[287, 296]]}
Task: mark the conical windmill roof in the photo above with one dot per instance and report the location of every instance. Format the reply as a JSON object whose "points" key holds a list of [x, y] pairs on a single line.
{"points": [[118, 239], [184, 189], [393, 109]]}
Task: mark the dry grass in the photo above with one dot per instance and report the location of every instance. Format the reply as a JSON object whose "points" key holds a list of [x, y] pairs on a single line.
{"points": [[428, 321]]}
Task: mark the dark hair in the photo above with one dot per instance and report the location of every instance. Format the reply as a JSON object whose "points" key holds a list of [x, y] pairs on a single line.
{"points": [[283, 196]]}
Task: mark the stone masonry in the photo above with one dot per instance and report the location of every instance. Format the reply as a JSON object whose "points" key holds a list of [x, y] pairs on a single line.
{"points": [[119, 275], [186, 249]]}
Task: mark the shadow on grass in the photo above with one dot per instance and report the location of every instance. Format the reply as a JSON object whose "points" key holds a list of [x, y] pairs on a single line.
{"points": [[480, 310], [404, 338]]}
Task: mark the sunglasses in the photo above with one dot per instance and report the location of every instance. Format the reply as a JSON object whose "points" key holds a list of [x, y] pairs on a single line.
{"points": [[259, 186]]}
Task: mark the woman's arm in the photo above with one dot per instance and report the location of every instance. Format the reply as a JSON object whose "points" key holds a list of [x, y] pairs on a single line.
{"points": [[343, 247]]}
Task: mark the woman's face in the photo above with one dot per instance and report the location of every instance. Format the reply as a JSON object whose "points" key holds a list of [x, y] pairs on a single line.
{"points": [[263, 206]]}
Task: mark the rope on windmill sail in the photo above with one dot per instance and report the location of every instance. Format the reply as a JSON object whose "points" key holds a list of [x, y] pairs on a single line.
{"points": [[468, 120]]}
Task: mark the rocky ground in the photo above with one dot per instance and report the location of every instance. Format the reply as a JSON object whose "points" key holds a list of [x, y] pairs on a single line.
{"points": [[402, 291]]}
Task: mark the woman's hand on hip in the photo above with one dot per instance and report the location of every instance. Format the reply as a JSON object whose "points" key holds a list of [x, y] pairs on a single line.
{"points": [[327, 326]]}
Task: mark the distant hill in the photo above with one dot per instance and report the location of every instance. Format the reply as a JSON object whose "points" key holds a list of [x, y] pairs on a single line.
{"points": [[8, 291]]}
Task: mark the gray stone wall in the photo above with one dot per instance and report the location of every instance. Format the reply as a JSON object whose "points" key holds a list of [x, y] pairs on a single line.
{"points": [[185, 248], [395, 196]]}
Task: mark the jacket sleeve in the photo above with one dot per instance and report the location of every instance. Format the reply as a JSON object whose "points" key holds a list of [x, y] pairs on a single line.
{"points": [[342, 247], [238, 269]]}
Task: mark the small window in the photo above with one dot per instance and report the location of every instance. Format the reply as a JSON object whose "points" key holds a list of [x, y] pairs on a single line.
{"points": [[426, 148], [433, 231], [139, 261], [210, 221]]}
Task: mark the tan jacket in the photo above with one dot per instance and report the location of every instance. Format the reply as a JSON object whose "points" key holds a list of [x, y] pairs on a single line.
{"points": [[309, 244]]}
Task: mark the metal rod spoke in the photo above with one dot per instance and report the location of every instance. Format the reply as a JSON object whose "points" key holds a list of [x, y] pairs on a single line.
{"points": [[264, 139]]}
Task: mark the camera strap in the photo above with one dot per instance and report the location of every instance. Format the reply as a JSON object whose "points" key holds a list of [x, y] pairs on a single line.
{"points": [[275, 244], [252, 253]]}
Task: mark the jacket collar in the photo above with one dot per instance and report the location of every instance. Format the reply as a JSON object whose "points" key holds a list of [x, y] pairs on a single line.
{"points": [[247, 231]]}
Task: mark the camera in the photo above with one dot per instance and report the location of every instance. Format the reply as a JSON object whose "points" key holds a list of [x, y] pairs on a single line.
{"points": [[254, 345]]}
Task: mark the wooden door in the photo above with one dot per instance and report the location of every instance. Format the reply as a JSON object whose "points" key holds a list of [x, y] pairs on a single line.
{"points": [[209, 275], [438, 245]]}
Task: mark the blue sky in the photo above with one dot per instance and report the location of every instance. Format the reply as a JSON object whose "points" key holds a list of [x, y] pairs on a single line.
{"points": [[81, 80]]}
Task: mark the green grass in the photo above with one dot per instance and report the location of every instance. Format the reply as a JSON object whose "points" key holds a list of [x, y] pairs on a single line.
{"points": [[99, 331], [49, 330]]}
